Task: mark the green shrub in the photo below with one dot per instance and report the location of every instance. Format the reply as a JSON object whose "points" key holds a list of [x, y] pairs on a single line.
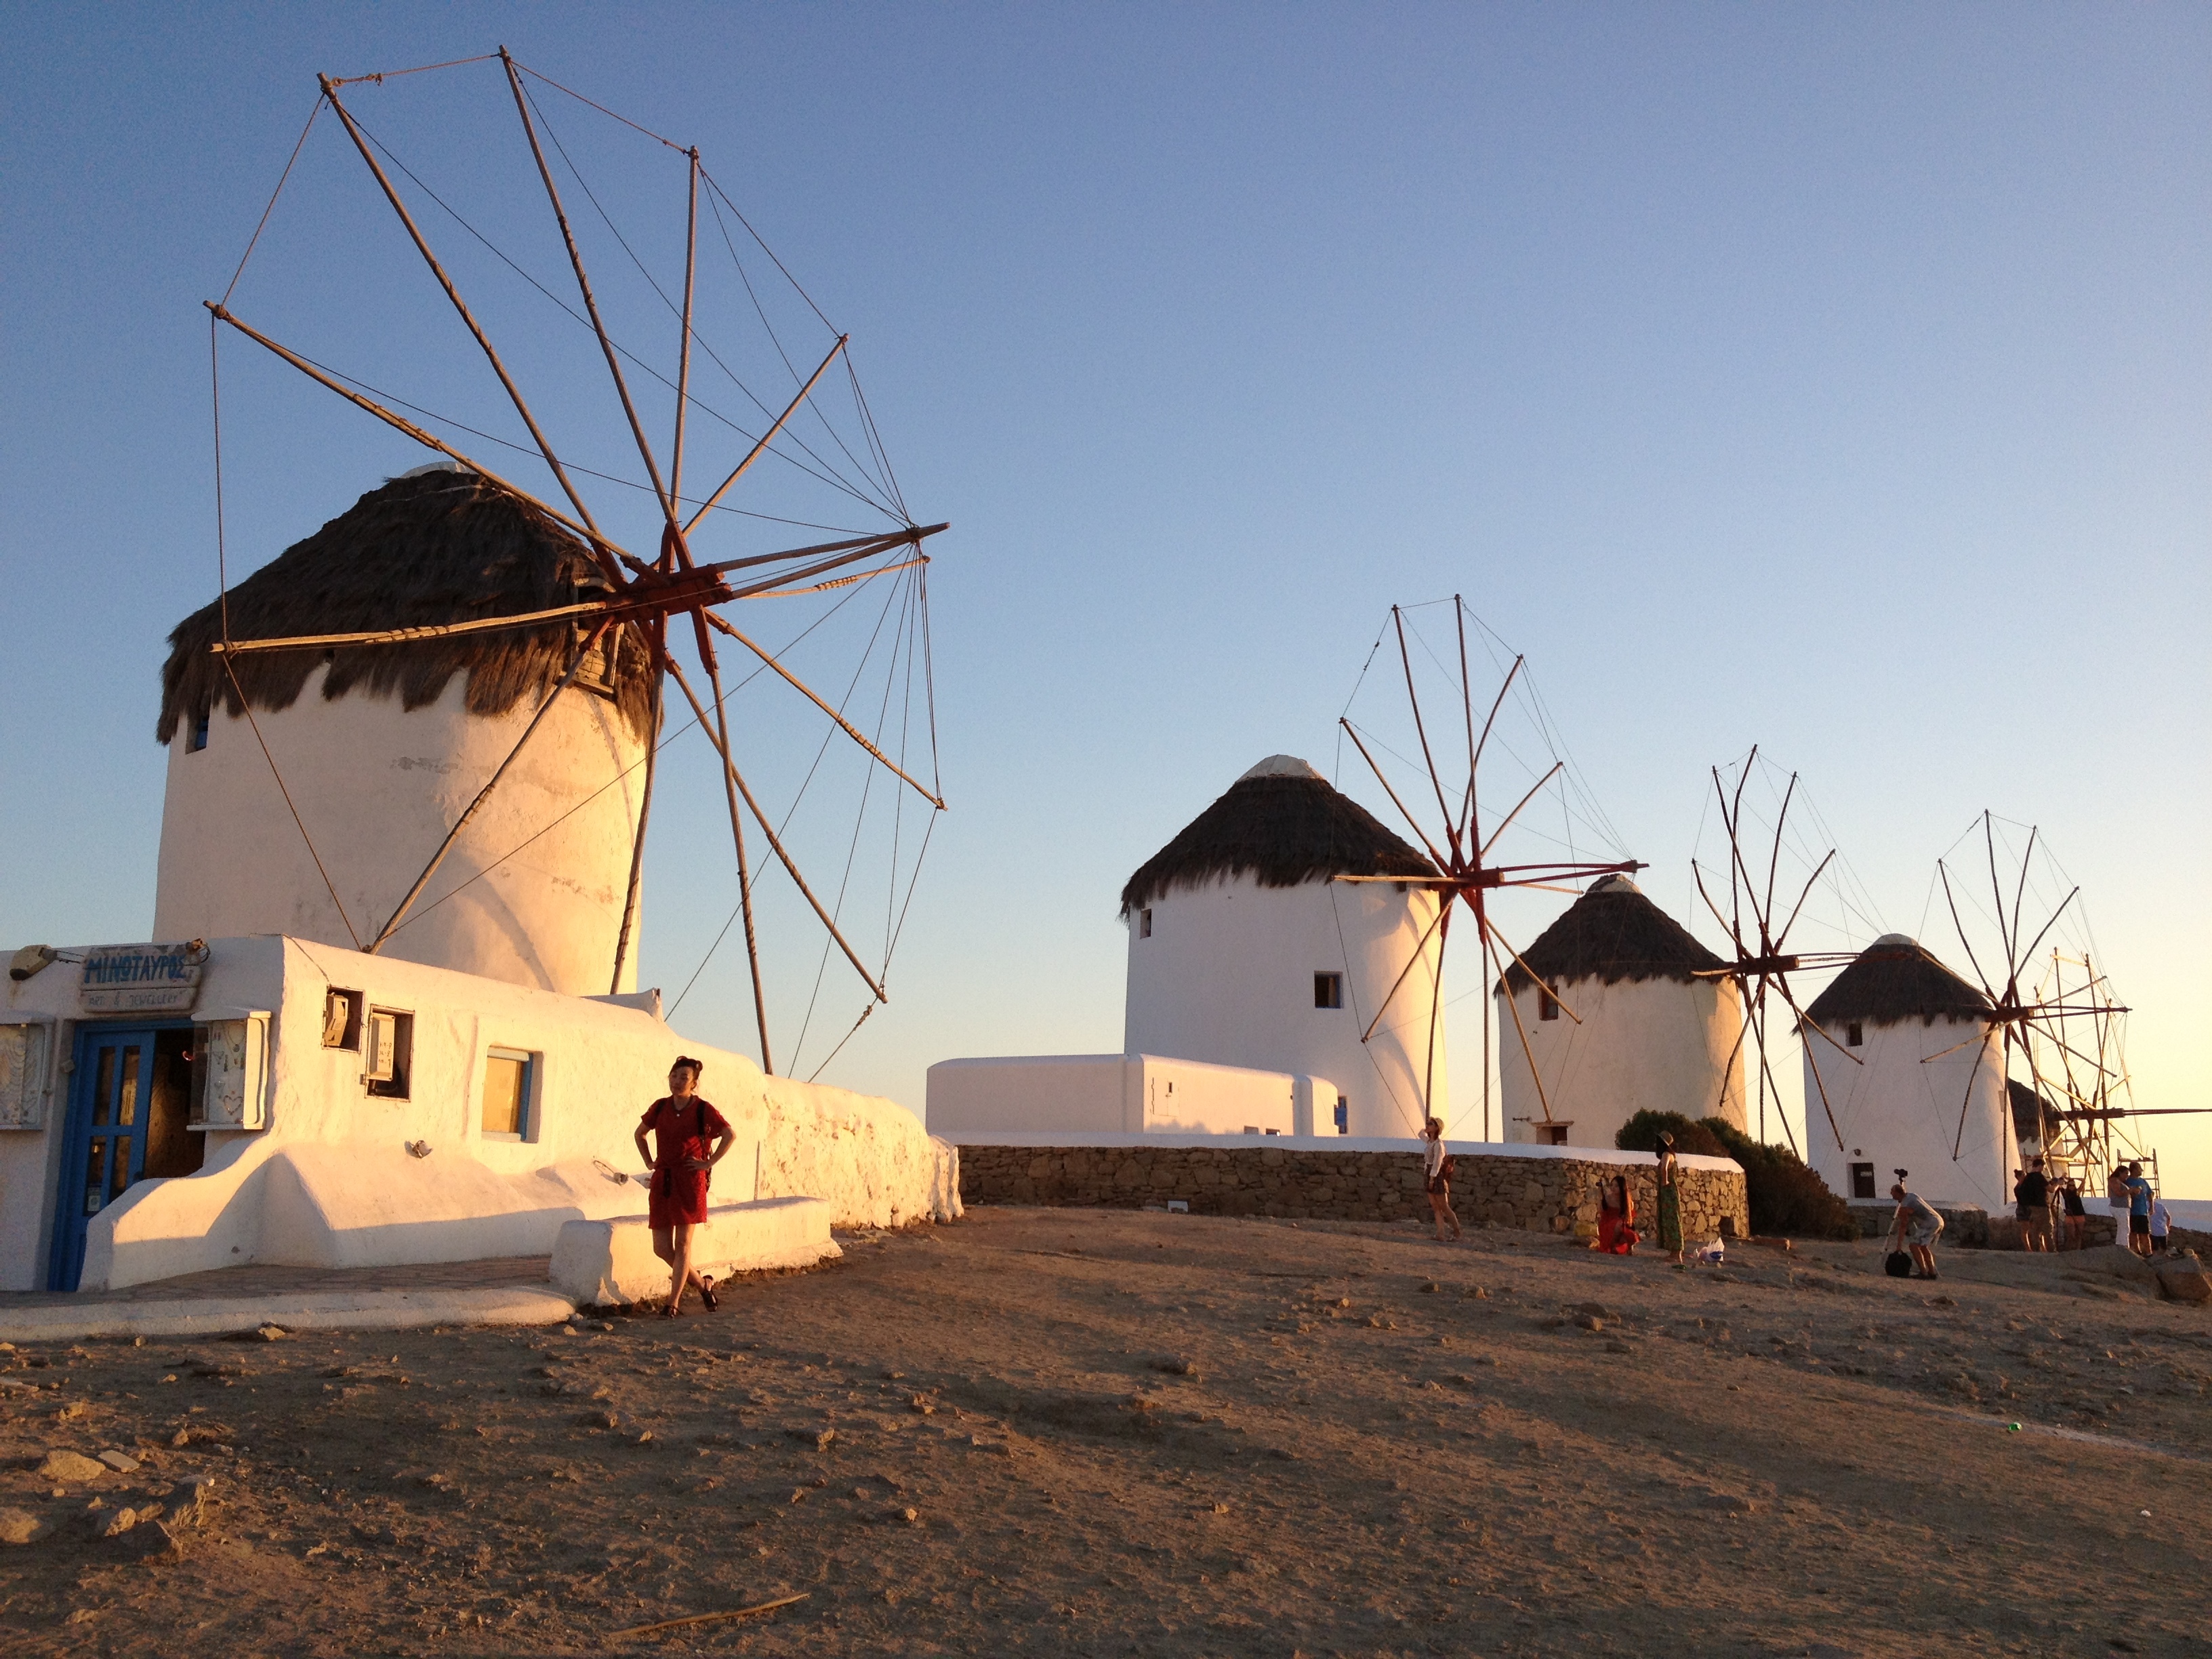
{"points": [[1641, 1134], [1788, 1198]]}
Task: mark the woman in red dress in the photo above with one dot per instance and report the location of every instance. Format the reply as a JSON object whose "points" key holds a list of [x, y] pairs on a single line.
{"points": [[682, 1126], [1616, 1213]]}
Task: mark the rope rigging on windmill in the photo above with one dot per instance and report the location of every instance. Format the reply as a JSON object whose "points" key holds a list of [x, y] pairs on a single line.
{"points": [[459, 569]]}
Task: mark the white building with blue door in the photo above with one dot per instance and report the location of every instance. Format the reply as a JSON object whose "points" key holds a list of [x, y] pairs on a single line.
{"points": [[256, 1088]]}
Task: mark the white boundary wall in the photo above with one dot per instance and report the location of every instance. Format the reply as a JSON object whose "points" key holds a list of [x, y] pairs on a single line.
{"points": [[1226, 975], [1140, 1094], [329, 1182]]}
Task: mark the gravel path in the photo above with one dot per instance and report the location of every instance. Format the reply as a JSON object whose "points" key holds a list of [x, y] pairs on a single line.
{"points": [[1111, 1432]]}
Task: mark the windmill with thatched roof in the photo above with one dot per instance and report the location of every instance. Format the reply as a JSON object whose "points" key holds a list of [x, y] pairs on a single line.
{"points": [[452, 694], [1465, 846], [1921, 1035], [1661, 1026], [1243, 950]]}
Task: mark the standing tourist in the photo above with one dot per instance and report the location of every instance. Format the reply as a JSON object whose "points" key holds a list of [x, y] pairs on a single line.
{"points": [[2032, 1205], [2077, 1215], [2138, 1191], [2161, 1224], [1670, 1200], [2116, 1198], [1918, 1228], [1616, 1213], [1437, 1174], [682, 1126]]}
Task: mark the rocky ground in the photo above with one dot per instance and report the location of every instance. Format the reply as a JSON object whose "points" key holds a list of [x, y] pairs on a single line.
{"points": [[1109, 1432]]}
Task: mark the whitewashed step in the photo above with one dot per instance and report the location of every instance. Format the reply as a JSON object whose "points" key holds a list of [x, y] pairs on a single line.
{"points": [[611, 1263]]}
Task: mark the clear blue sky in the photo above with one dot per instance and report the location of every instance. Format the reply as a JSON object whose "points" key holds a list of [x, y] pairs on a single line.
{"points": [[1835, 379]]}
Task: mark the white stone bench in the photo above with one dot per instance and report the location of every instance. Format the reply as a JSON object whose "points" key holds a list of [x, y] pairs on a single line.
{"points": [[611, 1263]]}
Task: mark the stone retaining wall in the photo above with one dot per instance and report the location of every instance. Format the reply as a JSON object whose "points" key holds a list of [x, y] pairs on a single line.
{"points": [[1546, 1195]]}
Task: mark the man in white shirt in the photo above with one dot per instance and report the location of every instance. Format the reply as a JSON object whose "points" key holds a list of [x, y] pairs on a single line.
{"points": [[1918, 1228]]}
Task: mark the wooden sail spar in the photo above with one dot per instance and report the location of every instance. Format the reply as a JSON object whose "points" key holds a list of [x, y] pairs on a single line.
{"points": [[641, 594]]}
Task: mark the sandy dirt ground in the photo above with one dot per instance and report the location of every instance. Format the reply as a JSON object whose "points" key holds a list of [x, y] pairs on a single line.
{"points": [[1093, 1432]]}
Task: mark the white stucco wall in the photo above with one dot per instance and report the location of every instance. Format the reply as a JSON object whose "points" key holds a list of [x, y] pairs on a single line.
{"points": [[1654, 1045], [379, 788], [1892, 1110], [1114, 1094], [329, 1183], [1226, 975]]}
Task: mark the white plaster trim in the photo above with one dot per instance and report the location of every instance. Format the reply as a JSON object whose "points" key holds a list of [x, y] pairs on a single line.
{"points": [[296, 1311]]}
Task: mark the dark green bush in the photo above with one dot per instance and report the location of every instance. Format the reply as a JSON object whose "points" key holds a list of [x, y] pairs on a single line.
{"points": [[1788, 1198], [1641, 1134]]}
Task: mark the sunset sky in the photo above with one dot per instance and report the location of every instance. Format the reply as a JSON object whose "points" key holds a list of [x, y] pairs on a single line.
{"points": [[1837, 379]]}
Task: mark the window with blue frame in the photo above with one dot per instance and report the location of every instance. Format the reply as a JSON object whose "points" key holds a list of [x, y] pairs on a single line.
{"points": [[508, 1075]]}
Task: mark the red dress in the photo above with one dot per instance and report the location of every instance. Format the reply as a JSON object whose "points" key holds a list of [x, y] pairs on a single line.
{"points": [[679, 1195]]}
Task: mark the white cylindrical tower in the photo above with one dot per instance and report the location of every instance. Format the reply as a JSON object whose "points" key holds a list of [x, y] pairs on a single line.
{"points": [[381, 748], [1928, 1094], [1244, 951], [1638, 1030]]}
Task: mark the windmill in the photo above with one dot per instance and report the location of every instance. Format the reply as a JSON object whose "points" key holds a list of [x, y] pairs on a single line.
{"points": [[1764, 961], [637, 597], [2060, 1020], [1460, 841]]}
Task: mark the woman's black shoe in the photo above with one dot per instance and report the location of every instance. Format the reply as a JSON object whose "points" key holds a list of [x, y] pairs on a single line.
{"points": [[707, 1292]]}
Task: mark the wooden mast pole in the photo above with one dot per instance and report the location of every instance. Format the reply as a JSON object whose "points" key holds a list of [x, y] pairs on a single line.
{"points": [[736, 835], [657, 639], [766, 438], [775, 843], [422, 247], [602, 546], [584, 285]]}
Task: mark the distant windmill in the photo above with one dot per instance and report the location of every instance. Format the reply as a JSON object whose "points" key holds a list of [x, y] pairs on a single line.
{"points": [[1764, 962], [1463, 843]]}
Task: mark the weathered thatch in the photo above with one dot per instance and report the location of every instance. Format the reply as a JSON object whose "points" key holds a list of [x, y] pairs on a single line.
{"points": [[1611, 933], [1892, 980], [1282, 829], [433, 547]]}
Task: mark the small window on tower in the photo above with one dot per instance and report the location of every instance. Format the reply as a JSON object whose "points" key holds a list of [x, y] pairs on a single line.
{"points": [[1145, 922], [1548, 1005], [1551, 1135], [1329, 990], [1862, 1181], [199, 733], [1343, 1116], [1855, 1034]]}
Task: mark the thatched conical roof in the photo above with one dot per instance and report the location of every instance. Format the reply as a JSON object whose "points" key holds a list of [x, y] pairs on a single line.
{"points": [[2026, 1122], [1282, 824], [1895, 980], [1611, 933], [435, 546]]}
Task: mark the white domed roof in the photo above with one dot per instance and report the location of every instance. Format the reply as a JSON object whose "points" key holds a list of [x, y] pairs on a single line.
{"points": [[1280, 766]]}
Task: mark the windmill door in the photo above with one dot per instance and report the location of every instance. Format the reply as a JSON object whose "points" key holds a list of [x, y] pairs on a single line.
{"points": [[122, 1073]]}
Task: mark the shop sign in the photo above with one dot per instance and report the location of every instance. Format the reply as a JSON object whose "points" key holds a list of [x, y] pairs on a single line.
{"points": [[141, 979]]}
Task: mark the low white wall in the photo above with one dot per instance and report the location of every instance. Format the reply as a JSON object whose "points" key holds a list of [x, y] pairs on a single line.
{"points": [[1226, 975], [330, 1184], [611, 1263], [1114, 1094]]}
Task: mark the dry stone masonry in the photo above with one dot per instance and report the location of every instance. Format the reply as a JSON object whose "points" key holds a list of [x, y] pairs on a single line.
{"points": [[1546, 1194]]}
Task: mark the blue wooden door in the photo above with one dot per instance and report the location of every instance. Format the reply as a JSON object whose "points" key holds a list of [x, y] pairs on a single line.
{"points": [[104, 1143]]}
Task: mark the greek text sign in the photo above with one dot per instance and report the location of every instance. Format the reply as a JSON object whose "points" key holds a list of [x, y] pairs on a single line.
{"points": [[141, 979]]}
